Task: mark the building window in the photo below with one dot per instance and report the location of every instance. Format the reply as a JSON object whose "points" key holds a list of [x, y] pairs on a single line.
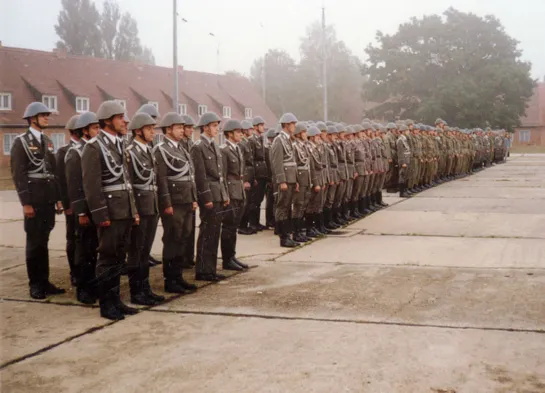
{"points": [[82, 104], [182, 109], [8, 142], [248, 113], [59, 140], [50, 102], [123, 103], [524, 136], [5, 101], [227, 112], [154, 103], [202, 110]]}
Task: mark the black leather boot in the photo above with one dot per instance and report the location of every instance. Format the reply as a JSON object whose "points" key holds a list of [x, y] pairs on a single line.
{"points": [[285, 239]]}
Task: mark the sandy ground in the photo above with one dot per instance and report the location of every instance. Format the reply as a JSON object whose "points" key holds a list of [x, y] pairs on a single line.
{"points": [[442, 292]]}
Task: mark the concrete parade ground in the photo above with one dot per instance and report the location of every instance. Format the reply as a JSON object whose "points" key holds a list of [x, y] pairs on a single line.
{"points": [[443, 292]]}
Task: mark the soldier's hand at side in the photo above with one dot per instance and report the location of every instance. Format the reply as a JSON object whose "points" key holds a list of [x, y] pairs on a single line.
{"points": [[356, 175], [105, 224], [209, 205], [403, 165], [68, 212], [255, 182], [296, 187], [28, 211], [136, 219], [317, 189], [226, 203], [194, 206], [247, 186], [169, 211], [283, 186], [83, 220], [331, 183]]}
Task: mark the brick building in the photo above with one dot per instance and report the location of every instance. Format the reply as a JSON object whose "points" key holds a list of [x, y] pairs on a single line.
{"points": [[72, 84], [532, 129]]}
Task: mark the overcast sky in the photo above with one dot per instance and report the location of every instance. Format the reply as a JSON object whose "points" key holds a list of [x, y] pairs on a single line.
{"points": [[237, 26]]}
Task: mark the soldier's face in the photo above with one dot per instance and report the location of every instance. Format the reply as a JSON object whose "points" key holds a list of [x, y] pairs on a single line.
{"points": [[323, 135], [147, 133], [248, 133], [304, 135], [118, 124], [290, 128], [237, 136], [211, 130], [260, 128], [42, 120], [176, 132], [92, 130], [188, 131]]}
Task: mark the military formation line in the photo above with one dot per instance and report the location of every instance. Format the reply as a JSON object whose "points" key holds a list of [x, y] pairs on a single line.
{"points": [[116, 178]]}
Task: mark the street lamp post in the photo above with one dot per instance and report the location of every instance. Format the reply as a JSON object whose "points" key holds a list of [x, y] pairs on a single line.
{"points": [[175, 97]]}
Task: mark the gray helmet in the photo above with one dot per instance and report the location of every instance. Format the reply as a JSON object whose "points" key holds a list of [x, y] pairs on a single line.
{"points": [[300, 127], [188, 120], [71, 124], [141, 119], [35, 108], [439, 121], [313, 131], [409, 122], [332, 130], [329, 123], [150, 110], [321, 126], [108, 109], [207, 118], [366, 125], [287, 118], [340, 128], [246, 124], [126, 118], [403, 127], [258, 120], [170, 119], [391, 126], [271, 133], [231, 125], [357, 128], [350, 130], [86, 119]]}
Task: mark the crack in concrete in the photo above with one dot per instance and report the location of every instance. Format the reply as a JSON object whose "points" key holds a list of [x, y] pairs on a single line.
{"points": [[12, 267], [451, 236]]}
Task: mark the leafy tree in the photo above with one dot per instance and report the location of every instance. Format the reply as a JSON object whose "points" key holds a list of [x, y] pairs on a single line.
{"points": [[77, 28], [280, 75], [462, 67], [84, 31]]}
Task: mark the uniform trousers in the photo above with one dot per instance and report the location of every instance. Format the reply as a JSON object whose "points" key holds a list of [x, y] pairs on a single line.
{"points": [[284, 200], [70, 221], [142, 237], [37, 231], [231, 219], [300, 201], [86, 255], [209, 238], [177, 229]]}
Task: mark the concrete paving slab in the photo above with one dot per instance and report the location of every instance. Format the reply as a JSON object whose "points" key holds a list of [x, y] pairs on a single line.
{"points": [[15, 282], [446, 297], [460, 191], [162, 353], [30, 327], [496, 182], [425, 251], [417, 223], [471, 205]]}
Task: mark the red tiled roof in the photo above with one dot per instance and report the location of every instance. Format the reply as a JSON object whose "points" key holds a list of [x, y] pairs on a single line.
{"points": [[535, 113], [51, 73]]}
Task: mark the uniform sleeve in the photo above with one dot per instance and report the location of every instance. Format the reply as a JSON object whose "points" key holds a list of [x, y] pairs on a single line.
{"points": [[204, 195], [19, 172], [162, 182], [92, 183], [74, 186], [277, 161], [61, 176]]}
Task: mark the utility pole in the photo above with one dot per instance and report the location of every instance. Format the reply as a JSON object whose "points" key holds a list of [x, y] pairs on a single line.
{"points": [[175, 54], [324, 67], [263, 67]]}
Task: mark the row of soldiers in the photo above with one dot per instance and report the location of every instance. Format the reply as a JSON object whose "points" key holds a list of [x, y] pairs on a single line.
{"points": [[114, 183]]}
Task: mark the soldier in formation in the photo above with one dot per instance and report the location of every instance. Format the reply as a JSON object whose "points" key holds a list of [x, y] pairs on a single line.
{"points": [[114, 186]]}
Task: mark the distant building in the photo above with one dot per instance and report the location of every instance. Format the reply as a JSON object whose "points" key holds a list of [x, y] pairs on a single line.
{"points": [[532, 129], [71, 84]]}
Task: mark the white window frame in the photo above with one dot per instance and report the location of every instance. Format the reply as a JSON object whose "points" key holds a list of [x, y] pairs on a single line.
{"points": [[3, 107], [122, 102], [202, 109], [62, 143], [10, 137], [154, 103], [79, 104], [525, 136], [227, 112], [182, 109], [50, 99], [247, 113]]}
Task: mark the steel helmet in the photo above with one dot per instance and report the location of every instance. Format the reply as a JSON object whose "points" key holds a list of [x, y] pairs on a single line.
{"points": [[287, 118], [141, 119], [150, 110], [108, 109], [170, 119], [231, 125], [86, 119], [258, 120], [71, 124], [35, 108], [207, 118]]}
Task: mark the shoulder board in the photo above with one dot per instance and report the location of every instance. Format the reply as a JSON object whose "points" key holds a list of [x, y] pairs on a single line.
{"points": [[129, 147], [224, 146], [198, 142], [20, 136], [92, 140], [157, 146]]}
